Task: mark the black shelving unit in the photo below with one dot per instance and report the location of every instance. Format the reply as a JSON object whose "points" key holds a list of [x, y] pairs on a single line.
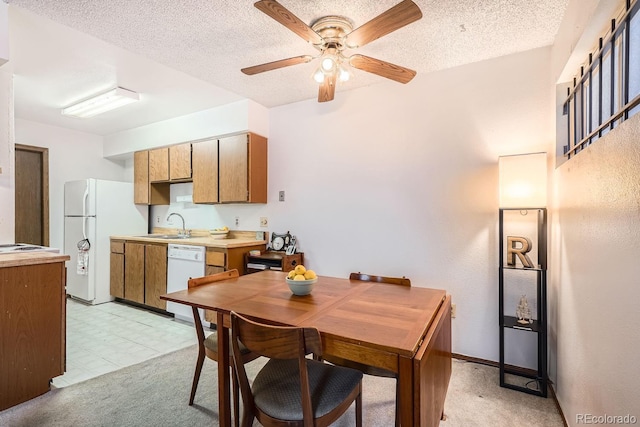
{"points": [[532, 381]]}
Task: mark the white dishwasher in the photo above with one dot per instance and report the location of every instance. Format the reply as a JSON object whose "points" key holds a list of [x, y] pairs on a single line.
{"points": [[183, 263]]}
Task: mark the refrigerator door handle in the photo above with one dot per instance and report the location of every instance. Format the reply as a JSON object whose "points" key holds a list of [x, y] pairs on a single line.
{"points": [[85, 197], [84, 228]]}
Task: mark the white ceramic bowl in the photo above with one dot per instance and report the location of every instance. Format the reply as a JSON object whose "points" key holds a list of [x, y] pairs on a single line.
{"points": [[301, 287], [218, 234]]}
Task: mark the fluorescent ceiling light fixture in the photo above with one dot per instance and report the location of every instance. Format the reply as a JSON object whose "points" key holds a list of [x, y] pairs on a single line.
{"points": [[98, 104]]}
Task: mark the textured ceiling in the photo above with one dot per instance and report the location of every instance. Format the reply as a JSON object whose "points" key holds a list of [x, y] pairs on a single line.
{"points": [[212, 40]]}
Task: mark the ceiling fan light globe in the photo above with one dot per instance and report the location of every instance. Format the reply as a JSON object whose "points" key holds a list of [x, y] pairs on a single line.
{"points": [[328, 64], [343, 75], [318, 76]]}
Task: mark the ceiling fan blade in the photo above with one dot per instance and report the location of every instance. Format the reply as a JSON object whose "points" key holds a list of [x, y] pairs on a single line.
{"points": [[398, 16], [289, 20], [382, 68], [327, 88], [276, 64]]}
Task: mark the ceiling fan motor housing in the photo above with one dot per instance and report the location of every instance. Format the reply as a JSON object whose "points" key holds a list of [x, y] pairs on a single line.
{"points": [[333, 30]]}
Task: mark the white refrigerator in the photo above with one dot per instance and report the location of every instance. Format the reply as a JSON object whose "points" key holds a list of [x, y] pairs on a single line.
{"points": [[94, 210]]}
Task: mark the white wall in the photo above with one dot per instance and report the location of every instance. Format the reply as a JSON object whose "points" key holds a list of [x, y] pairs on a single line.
{"points": [[398, 180], [72, 155], [403, 180], [7, 160], [208, 216], [237, 117], [595, 276]]}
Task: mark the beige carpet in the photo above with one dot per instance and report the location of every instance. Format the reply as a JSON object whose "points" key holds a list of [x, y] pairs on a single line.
{"points": [[156, 392]]}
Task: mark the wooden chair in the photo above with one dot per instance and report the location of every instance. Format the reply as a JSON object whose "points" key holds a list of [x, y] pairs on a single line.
{"points": [[209, 346], [292, 390], [372, 370]]}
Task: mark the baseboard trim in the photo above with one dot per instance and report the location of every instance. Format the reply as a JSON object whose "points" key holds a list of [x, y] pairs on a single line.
{"points": [[475, 360], [555, 399], [497, 365]]}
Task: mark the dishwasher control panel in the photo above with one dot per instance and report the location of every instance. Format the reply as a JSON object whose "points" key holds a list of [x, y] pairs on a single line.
{"points": [[186, 252]]}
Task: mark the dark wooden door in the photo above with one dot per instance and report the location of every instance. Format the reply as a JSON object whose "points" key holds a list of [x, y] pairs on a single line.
{"points": [[32, 195]]}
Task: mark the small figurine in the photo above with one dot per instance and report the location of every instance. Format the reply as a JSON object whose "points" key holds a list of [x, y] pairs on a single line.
{"points": [[523, 312]]}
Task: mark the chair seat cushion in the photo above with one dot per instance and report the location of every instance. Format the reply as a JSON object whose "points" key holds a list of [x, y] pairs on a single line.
{"points": [[276, 388], [211, 342]]}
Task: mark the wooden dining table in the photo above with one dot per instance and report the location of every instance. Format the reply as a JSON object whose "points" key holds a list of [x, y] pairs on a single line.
{"points": [[406, 330]]}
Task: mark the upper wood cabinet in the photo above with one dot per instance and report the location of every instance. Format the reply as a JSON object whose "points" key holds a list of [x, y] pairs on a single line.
{"points": [[170, 163], [229, 170], [141, 177], [243, 169], [180, 162], [145, 192], [159, 165], [205, 171]]}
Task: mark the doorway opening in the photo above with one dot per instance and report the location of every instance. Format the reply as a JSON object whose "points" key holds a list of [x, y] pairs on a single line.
{"points": [[32, 195]]}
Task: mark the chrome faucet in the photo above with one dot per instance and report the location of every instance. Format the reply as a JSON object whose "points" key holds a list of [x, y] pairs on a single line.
{"points": [[183, 232]]}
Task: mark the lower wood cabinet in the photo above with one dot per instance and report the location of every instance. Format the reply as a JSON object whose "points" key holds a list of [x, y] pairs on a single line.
{"points": [[134, 272], [139, 272], [32, 329], [116, 282], [155, 275], [220, 259]]}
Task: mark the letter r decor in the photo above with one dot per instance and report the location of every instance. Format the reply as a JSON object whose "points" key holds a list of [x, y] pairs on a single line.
{"points": [[521, 252]]}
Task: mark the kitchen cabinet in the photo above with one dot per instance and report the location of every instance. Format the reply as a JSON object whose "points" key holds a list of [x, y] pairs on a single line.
{"points": [[205, 171], [32, 325], [159, 164], [141, 177], [170, 163], [145, 273], [134, 272], [228, 170], [242, 165], [116, 281], [138, 268], [155, 275], [220, 259], [145, 192], [216, 261], [180, 162]]}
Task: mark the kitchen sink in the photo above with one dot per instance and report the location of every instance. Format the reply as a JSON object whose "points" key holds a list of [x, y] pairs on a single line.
{"points": [[166, 236]]}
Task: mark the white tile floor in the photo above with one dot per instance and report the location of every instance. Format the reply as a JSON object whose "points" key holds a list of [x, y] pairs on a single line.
{"points": [[107, 337]]}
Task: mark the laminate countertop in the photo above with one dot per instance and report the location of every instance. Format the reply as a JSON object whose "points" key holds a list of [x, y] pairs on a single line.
{"points": [[18, 259], [208, 242]]}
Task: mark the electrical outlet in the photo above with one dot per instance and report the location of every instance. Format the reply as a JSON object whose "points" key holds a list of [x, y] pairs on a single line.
{"points": [[237, 221], [281, 196], [158, 219], [264, 222], [453, 311]]}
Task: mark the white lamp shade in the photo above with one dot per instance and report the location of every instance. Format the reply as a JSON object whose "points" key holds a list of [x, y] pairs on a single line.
{"points": [[523, 180]]}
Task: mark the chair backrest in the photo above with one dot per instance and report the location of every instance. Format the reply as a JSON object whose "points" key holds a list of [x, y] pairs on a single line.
{"points": [[275, 342], [403, 281], [230, 274]]}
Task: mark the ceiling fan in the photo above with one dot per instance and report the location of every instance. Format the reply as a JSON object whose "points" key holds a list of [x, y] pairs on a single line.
{"points": [[331, 35]]}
